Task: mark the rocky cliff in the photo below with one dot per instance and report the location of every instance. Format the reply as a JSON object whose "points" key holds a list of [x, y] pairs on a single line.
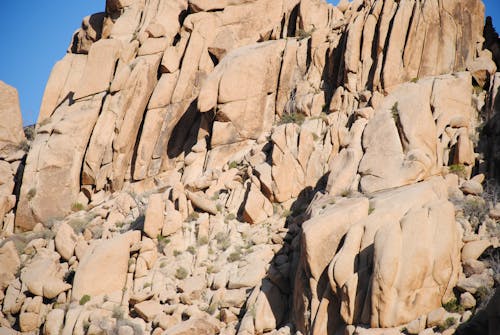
{"points": [[258, 166]]}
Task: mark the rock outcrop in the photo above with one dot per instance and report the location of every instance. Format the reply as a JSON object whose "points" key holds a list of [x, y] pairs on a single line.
{"points": [[13, 147], [257, 167]]}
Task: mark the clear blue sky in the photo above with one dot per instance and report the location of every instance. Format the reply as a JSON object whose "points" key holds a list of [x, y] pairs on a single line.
{"points": [[36, 33]]}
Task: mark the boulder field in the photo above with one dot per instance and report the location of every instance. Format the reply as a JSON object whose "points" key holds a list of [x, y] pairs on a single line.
{"points": [[241, 167]]}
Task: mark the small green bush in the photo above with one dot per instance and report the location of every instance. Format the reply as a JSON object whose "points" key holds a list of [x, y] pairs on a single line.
{"points": [[303, 34], [346, 193], [84, 299], [233, 165], [211, 269], [370, 210], [457, 168], [292, 118], [76, 207], [117, 313], [31, 193], [193, 216], [234, 257], [395, 112], [24, 146], [191, 249], [181, 273], [162, 241], [453, 306], [203, 240]]}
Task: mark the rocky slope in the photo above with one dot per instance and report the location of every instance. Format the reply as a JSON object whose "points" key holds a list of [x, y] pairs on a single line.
{"points": [[258, 167]]}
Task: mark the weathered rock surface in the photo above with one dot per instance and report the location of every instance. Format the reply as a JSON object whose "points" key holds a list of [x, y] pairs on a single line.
{"points": [[256, 167], [406, 278], [103, 270]]}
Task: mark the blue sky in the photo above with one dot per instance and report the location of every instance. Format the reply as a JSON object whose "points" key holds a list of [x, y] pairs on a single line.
{"points": [[35, 35]]}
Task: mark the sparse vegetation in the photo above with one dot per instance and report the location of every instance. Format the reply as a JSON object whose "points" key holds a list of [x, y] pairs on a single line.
{"points": [[24, 146], [475, 210], [453, 306], [483, 295], [162, 241], [223, 241], [233, 165], [478, 89], [146, 285], [211, 269], [346, 193], [370, 210], [193, 217], [303, 34], [458, 169], [192, 250], [78, 225], [44, 122], [448, 323], [84, 299], [234, 257], [31, 193], [286, 213], [395, 112], [292, 118], [117, 313], [76, 207], [212, 308], [181, 273], [203, 240]]}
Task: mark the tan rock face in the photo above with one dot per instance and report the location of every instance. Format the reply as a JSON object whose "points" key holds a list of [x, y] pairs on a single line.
{"points": [[407, 277], [9, 263], [279, 158], [109, 256], [11, 132]]}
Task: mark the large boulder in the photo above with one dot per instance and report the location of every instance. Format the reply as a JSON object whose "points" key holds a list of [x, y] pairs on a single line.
{"points": [[11, 126], [381, 275], [103, 269]]}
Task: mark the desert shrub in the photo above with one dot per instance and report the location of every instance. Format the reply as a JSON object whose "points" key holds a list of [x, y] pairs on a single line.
{"points": [[117, 313], [203, 240], [24, 146], [76, 207], [453, 306], [31, 193], [234, 257], [193, 216], [181, 273], [84, 299], [303, 34], [458, 169], [296, 118], [346, 193], [395, 112], [223, 240], [191, 249]]}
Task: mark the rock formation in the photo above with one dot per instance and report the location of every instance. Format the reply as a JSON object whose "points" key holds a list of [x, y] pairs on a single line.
{"points": [[257, 167]]}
